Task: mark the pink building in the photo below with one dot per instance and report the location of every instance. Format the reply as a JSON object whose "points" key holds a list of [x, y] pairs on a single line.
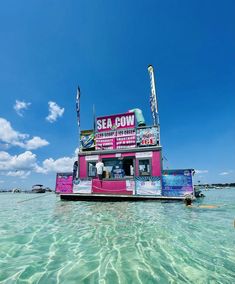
{"points": [[132, 164], [131, 154]]}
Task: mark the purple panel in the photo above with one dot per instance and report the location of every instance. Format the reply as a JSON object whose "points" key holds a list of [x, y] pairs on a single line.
{"points": [[64, 183]]}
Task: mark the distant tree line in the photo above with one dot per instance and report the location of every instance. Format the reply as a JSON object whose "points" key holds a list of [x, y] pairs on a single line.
{"points": [[216, 184]]}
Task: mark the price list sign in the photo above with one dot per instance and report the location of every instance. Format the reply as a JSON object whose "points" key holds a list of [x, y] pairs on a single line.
{"points": [[126, 138]]}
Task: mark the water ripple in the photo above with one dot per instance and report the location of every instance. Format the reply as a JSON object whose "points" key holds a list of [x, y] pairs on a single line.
{"points": [[86, 242]]}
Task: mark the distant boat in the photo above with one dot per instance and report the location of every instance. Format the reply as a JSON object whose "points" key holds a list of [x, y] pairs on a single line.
{"points": [[218, 187], [47, 189], [38, 188], [16, 190]]}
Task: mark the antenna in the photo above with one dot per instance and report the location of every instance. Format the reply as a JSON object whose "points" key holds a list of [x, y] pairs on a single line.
{"points": [[153, 100]]}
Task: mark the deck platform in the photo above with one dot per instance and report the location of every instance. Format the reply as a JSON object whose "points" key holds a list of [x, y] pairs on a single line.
{"points": [[116, 198]]}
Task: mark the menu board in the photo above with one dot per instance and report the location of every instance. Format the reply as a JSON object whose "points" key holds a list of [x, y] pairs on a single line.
{"points": [[119, 139], [177, 182], [105, 140], [126, 138]]}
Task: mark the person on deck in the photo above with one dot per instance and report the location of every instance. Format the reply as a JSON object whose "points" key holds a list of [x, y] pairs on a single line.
{"points": [[99, 169]]}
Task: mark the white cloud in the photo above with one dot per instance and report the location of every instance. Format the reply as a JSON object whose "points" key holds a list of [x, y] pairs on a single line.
{"points": [[22, 162], [10, 137], [64, 164], [201, 171], [35, 143], [225, 173], [19, 107], [8, 134], [18, 165], [54, 112], [20, 174]]}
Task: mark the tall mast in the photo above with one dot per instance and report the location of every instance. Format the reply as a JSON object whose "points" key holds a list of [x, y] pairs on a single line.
{"points": [[153, 100]]}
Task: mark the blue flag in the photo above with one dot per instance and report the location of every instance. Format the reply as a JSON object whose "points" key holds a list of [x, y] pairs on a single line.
{"points": [[78, 105]]}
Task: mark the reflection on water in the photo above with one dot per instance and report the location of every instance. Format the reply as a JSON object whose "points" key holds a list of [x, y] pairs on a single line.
{"points": [[122, 242]]}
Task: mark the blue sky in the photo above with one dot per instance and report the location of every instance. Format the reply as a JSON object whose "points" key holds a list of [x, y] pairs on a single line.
{"points": [[49, 47]]}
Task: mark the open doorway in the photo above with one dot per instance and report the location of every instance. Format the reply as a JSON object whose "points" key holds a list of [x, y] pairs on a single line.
{"points": [[128, 166]]}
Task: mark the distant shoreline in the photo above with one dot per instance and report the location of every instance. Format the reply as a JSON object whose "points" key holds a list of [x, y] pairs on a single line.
{"points": [[215, 185]]}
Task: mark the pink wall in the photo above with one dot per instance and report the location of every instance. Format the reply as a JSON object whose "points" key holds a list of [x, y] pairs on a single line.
{"points": [[156, 163], [107, 156], [128, 155], [114, 155], [82, 167], [110, 187]]}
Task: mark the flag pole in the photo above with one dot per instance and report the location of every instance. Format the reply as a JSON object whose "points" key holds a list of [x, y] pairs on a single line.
{"points": [[78, 115], [79, 138], [94, 124], [153, 100]]}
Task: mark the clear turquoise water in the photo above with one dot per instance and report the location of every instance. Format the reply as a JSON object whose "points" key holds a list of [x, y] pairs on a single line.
{"points": [[45, 240]]}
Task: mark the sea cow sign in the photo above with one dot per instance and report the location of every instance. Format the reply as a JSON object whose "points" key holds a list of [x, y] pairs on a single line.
{"points": [[113, 122]]}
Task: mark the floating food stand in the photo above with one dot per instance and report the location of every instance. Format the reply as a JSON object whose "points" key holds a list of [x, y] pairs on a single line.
{"points": [[132, 157]]}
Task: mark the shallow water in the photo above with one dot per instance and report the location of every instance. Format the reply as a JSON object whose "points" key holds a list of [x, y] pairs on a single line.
{"points": [[45, 240]]}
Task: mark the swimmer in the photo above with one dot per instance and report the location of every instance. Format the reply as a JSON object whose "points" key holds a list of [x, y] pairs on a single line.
{"points": [[188, 203], [208, 206]]}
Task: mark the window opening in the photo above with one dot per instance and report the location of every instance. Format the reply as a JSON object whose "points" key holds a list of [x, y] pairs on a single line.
{"points": [[128, 166], [117, 168], [91, 169], [113, 168], [144, 167]]}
